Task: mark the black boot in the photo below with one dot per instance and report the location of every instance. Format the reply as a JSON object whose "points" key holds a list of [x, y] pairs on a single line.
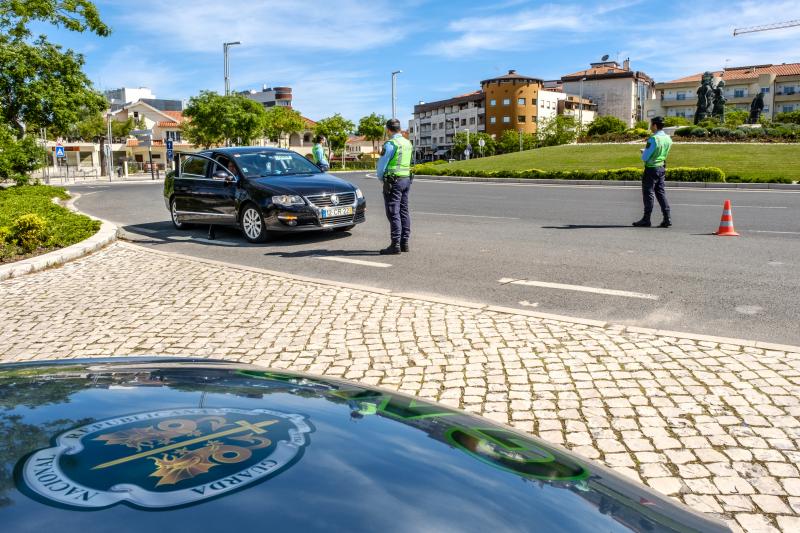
{"points": [[404, 246], [666, 223], [392, 249], [643, 223]]}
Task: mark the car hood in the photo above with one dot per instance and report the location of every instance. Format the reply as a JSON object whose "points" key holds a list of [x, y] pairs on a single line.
{"points": [[305, 185], [197, 445]]}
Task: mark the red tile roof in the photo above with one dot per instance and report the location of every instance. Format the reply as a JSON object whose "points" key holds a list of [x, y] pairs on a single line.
{"points": [[746, 73], [597, 71], [177, 116], [168, 124]]}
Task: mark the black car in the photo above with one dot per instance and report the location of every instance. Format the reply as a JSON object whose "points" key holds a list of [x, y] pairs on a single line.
{"points": [[180, 445], [263, 191]]}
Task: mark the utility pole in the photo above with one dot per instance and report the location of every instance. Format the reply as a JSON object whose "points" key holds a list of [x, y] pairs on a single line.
{"points": [[520, 140], [394, 92], [225, 47], [110, 155], [150, 155], [580, 107]]}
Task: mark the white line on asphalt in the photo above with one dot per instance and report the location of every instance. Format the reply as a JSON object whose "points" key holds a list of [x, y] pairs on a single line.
{"points": [[580, 288], [734, 206], [606, 187], [186, 238], [460, 215], [354, 261], [780, 232]]}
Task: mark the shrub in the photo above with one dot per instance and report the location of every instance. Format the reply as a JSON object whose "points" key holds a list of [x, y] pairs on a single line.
{"points": [[684, 132], [606, 124], [738, 134], [642, 125], [29, 232], [697, 131], [789, 117], [676, 121], [439, 162], [695, 174], [720, 132]]}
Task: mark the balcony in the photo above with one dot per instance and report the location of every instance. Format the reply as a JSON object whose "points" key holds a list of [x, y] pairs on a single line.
{"points": [[787, 97]]}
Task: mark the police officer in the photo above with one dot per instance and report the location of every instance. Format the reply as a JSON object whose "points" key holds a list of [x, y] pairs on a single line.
{"points": [[319, 154], [655, 161], [394, 170]]}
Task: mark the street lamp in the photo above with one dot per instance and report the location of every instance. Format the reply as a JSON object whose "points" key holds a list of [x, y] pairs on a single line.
{"points": [[394, 92], [580, 106], [110, 154], [225, 47]]}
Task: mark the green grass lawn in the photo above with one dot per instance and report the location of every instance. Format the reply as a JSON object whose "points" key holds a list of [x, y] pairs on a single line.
{"points": [[63, 226], [744, 160]]}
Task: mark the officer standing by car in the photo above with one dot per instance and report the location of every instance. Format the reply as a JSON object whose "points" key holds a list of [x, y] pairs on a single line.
{"points": [[394, 170], [655, 172], [319, 154]]}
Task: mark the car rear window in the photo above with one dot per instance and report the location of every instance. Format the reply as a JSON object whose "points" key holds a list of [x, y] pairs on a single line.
{"points": [[263, 164]]}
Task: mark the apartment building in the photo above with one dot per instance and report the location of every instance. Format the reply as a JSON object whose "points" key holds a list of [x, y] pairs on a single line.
{"points": [[512, 102], [271, 96], [780, 85], [435, 123], [617, 90]]}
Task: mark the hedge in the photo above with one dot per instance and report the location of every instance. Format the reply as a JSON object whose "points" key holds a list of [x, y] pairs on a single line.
{"points": [[707, 174]]}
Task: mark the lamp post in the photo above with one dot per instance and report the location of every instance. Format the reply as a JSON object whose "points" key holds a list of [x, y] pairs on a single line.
{"points": [[394, 92], [467, 130], [110, 154], [580, 106], [225, 47]]}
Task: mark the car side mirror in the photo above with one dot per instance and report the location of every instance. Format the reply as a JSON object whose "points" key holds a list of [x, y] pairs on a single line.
{"points": [[223, 175]]}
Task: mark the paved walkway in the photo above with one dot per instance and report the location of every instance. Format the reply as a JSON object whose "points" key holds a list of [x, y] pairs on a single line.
{"points": [[716, 426]]}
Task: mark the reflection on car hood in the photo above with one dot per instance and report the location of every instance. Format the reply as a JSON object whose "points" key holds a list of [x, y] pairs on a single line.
{"points": [[305, 185], [214, 446]]}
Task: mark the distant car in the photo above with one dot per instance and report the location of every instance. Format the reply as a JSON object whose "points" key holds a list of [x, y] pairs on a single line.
{"points": [[99, 445], [263, 191]]}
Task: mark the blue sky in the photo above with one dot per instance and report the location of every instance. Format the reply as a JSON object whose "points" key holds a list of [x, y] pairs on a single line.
{"points": [[337, 55]]}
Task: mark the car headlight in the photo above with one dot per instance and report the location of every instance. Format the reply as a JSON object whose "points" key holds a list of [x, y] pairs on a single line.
{"points": [[359, 194], [287, 200]]}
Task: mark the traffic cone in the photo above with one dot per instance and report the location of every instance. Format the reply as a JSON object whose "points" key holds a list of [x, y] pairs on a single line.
{"points": [[726, 223]]}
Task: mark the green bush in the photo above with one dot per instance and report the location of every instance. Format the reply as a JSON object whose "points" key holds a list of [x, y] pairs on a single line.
{"points": [[606, 124], [642, 125], [617, 174], [29, 232], [697, 131], [439, 162], [720, 132], [789, 117], [676, 121], [684, 132]]}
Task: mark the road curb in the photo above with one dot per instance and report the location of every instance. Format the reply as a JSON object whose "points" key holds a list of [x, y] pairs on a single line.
{"points": [[620, 183], [104, 236], [582, 322]]}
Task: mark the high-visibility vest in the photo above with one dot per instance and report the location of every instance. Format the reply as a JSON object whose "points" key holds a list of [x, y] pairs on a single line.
{"points": [[319, 154], [400, 163], [659, 157]]}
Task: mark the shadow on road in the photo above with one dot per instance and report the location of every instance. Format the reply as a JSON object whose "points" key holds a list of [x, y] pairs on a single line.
{"points": [[325, 253], [587, 226]]}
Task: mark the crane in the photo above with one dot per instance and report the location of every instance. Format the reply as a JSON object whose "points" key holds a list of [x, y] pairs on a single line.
{"points": [[767, 27]]}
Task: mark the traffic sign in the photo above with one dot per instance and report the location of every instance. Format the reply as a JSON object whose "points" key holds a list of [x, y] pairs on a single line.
{"points": [[169, 144], [481, 143], [60, 152]]}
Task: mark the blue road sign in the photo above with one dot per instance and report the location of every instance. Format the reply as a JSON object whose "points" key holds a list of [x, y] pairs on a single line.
{"points": [[60, 152], [169, 149]]}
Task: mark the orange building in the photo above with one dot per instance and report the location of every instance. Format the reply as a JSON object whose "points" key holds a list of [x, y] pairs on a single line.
{"points": [[511, 103]]}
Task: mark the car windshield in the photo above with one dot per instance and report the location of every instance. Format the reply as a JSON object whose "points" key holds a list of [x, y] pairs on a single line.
{"points": [[261, 164]]}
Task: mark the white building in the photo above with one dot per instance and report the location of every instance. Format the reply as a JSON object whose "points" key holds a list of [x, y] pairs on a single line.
{"points": [[435, 123], [617, 90], [271, 96]]}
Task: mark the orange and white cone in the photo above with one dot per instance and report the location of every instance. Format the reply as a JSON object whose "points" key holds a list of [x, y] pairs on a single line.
{"points": [[726, 223]]}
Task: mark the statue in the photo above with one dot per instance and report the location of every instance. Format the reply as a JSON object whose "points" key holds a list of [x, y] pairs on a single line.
{"points": [[705, 98], [756, 108], [719, 102]]}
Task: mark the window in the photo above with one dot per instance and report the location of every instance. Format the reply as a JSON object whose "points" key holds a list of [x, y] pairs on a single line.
{"points": [[506, 120], [275, 164], [492, 102], [765, 90], [788, 108], [521, 118], [739, 93], [520, 101], [533, 101], [788, 90], [492, 120], [194, 167], [472, 120], [506, 101], [434, 127], [441, 125], [535, 119], [681, 96], [463, 122], [136, 114]]}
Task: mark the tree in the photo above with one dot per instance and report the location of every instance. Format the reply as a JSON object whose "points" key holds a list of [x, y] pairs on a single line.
{"points": [[460, 143], [606, 124], [560, 130], [336, 129], [18, 156], [214, 119], [372, 128], [280, 121], [509, 142]]}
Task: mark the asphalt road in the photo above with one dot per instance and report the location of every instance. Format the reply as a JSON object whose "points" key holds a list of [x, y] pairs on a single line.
{"points": [[557, 249]]}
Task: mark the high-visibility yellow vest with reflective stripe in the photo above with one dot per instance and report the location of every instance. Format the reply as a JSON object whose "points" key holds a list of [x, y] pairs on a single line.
{"points": [[659, 156], [400, 163]]}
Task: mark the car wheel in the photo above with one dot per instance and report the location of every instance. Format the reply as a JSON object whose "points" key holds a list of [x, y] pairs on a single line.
{"points": [[173, 211], [344, 229], [253, 224]]}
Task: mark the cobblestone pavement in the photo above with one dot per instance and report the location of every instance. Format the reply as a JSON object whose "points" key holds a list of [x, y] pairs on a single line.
{"points": [[716, 426]]}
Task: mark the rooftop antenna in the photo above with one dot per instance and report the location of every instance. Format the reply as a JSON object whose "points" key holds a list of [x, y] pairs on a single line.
{"points": [[604, 58]]}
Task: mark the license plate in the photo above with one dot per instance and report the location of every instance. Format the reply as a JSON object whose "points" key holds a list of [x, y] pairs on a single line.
{"points": [[336, 212]]}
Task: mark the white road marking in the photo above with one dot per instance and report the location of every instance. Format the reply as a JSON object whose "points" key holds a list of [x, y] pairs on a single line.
{"points": [[779, 232], [186, 238], [580, 288], [460, 215], [374, 264], [526, 303], [734, 206], [610, 187]]}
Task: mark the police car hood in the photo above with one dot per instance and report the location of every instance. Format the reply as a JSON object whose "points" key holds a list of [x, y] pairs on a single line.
{"points": [[131, 445], [304, 184]]}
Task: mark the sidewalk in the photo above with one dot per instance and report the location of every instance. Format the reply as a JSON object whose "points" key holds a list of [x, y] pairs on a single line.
{"points": [[716, 426]]}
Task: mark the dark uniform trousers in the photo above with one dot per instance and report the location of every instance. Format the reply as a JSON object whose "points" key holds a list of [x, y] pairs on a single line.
{"points": [[653, 181], [395, 198]]}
